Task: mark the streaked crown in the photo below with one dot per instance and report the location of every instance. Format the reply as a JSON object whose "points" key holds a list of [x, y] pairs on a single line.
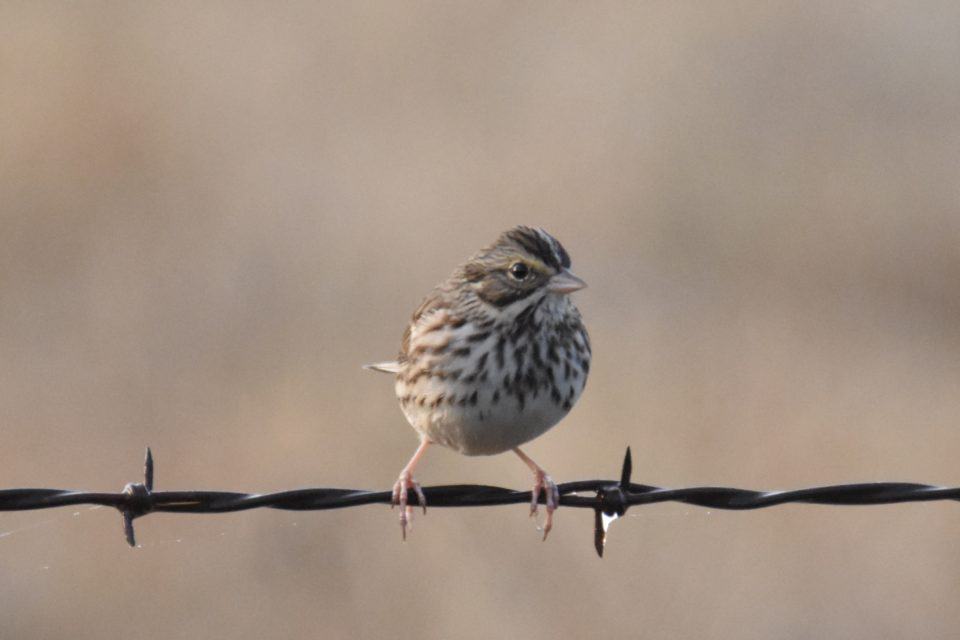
{"points": [[519, 264]]}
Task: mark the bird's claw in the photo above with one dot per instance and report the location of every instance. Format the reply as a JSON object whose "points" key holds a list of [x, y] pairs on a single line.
{"points": [[400, 488], [543, 482]]}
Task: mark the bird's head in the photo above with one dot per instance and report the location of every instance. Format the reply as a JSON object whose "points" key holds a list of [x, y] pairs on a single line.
{"points": [[524, 263]]}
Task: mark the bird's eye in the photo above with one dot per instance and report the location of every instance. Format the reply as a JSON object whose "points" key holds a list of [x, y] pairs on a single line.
{"points": [[519, 271]]}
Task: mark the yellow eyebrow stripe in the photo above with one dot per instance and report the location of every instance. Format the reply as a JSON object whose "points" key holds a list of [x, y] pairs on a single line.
{"points": [[533, 263]]}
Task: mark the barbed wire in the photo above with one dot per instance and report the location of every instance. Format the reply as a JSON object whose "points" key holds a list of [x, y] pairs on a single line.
{"points": [[610, 499]]}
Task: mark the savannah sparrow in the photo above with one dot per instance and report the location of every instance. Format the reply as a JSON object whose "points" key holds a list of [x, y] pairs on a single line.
{"points": [[493, 357]]}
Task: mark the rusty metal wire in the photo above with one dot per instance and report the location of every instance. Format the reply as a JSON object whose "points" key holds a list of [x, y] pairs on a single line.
{"points": [[609, 500]]}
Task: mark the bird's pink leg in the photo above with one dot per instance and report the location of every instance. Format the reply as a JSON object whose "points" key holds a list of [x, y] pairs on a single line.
{"points": [[405, 482], [541, 482]]}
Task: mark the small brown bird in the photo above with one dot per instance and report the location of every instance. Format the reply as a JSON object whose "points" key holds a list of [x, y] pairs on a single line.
{"points": [[493, 357]]}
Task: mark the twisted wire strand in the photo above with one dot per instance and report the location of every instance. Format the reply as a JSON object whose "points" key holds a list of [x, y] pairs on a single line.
{"points": [[610, 497], [471, 495]]}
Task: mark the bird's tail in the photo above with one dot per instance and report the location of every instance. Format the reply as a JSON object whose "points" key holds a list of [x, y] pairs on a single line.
{"points": [[386, 367]]}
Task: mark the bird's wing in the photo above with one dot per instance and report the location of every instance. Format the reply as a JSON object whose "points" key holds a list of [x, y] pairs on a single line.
{"points": [[385, 367], [433, 303]]}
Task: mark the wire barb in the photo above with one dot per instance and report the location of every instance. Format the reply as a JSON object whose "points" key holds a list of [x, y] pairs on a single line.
{"points": [[611, 498], [611, 504], [138, 501]]}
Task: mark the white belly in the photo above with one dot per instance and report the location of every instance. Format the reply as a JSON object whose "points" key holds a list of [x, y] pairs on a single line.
{"points": [[466, 393], [484, 416], [485, 428]]}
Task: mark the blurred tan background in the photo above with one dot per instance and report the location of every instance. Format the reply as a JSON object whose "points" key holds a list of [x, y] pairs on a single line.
{"points": [[213, 214]]}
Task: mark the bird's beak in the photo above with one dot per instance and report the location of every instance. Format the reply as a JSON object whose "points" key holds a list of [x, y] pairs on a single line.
{"points": [[565, 282]]}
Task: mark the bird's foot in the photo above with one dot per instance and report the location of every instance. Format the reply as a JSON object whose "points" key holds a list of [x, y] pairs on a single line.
{"points": [[403, 484], [543, 482]]}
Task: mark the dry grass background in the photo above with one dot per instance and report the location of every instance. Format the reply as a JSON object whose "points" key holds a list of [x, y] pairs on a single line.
{"points": [[213, 213]]}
